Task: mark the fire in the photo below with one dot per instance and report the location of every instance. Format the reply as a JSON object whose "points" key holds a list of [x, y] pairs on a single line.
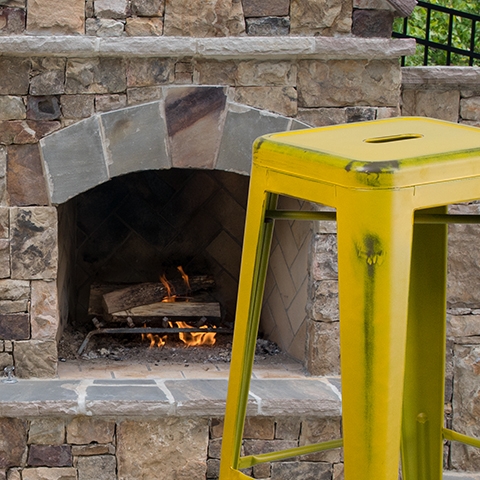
{"points": [[193, 339], [184, 276], [190, 339], [155, 340], [170, 296]]}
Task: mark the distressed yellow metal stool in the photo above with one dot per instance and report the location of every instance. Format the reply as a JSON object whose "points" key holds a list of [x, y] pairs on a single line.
{"points": [[389, 181]]}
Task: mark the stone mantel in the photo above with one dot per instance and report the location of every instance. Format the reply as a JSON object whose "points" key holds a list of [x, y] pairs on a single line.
{"points": [[221, 48]]}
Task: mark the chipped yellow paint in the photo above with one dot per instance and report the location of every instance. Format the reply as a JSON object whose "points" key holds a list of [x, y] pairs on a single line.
{"points": [[392, 278]]}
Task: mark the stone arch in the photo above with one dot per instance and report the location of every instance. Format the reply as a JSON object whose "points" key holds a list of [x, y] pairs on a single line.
{"points": [[189, 127]]}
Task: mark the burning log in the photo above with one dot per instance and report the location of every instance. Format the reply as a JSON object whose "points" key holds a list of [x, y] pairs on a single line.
{"points": [[152, 293]]}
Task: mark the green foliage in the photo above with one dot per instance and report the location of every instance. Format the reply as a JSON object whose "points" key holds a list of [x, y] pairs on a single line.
{"points": [[439, 23]]}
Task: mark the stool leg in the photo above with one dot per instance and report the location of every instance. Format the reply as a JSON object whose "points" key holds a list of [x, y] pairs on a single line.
{"points": [[375, 230], [256, 251], [423, 404]]}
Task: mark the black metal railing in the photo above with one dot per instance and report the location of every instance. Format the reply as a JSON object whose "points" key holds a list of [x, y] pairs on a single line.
{"points": [[455, 50]]}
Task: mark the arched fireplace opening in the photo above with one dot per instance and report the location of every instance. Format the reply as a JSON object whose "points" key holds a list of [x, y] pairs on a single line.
{"points": [[139, 227], [137, 197]]}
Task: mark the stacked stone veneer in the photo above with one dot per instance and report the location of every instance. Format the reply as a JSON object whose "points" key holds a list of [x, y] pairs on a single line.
{"points": [[453, 94], [168, 429], [196, 18], [77, 111]]}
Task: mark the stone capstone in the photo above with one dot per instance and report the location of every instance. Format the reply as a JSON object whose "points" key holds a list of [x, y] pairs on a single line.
{"points": [[241, 47], [13, 441], [181, 441], [35, 358], [204, 18], [34, 242], [47, 17]]}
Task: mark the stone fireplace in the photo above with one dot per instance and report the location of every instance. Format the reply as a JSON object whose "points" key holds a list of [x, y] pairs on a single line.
{"points": [[120, 121], [105, 196]]}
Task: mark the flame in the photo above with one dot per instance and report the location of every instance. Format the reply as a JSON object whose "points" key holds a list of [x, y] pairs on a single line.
{"points": [[193, 339], [190, 339], [155, 340], [184, 276], [170, 297]]}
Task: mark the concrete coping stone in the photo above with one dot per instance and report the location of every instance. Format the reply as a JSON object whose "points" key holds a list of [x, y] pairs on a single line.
{"points": [[222, 48], [309, 397], [413, 77]]}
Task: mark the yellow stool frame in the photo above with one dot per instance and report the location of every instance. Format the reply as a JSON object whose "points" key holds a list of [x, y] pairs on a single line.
{"points": [[381, 176]]}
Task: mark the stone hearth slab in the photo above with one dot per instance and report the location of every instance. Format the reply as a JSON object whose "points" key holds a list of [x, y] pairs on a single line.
{"points": [[315, 397]]}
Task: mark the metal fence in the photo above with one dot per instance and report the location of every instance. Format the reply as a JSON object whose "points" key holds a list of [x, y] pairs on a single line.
{"points": [[457, 42]]}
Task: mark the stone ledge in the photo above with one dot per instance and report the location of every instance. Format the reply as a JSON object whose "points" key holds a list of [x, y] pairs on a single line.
{"points": [[215, 48], [415, 77], [312, 397]]}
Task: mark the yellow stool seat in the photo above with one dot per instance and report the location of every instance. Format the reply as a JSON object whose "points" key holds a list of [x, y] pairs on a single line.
{"points": [[390, 182]]}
